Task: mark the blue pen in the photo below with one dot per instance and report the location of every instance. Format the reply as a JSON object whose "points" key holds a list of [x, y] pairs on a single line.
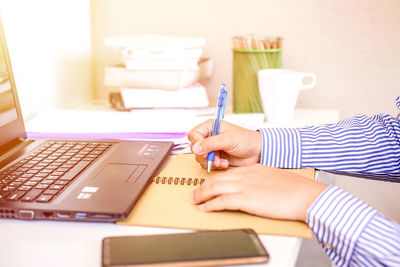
{"points": [[219, 114]]}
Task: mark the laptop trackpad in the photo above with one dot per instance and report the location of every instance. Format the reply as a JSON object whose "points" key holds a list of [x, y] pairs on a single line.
{"points": [[121, 172]]}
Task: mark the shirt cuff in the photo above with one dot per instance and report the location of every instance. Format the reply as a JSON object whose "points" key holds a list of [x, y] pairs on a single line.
{"points": [[338, 219], [281, 147]]}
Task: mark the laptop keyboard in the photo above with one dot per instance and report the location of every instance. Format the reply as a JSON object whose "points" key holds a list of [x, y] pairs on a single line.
{"points": [[43, 174]]}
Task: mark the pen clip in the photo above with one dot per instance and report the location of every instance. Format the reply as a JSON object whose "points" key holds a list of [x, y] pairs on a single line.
{"points": [[222, 99], [224, 105]]}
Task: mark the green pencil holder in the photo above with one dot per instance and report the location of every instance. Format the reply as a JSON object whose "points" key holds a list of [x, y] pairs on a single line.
{"points": [[246, 64]]}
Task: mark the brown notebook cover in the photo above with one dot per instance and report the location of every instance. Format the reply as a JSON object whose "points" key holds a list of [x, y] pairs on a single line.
{"points": [[166, 203]]}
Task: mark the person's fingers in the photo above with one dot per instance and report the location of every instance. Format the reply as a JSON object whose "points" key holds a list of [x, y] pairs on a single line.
{"points": [[202, 141], [213, 188], [220, 160], [223, 202], [200, 131], [202, 161], [212, 143], [197, 149]]}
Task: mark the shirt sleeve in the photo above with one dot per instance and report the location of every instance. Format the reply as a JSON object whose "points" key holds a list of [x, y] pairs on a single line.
{"points": [[361, 145], [351, 232]]}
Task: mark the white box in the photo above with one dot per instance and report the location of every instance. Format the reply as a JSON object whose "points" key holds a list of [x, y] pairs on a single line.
{"points": [[118, 76]]}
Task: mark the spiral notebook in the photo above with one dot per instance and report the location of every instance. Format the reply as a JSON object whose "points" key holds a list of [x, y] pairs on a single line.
{"points": [[165, 203]]}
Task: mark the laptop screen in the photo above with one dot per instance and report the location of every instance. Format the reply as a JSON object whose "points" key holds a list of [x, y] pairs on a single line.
{"points": [[11, 122], [8, 111]]}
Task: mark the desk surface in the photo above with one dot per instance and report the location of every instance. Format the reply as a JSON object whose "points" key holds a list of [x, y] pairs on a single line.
{"points": [[160, 120], [48, 243]]}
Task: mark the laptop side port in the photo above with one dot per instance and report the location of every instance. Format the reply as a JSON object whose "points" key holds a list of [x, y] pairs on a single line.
{"points": [[81, 215], [48, 214], [102, 216], [64, 215], [26, 214]]}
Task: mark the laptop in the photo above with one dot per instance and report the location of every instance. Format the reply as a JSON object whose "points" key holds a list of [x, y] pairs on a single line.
{"points": [[71, 180]]}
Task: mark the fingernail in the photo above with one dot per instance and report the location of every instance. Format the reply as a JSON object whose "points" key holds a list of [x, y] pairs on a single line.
{"points": [[202, 207], [224, 163], [197, 149]]}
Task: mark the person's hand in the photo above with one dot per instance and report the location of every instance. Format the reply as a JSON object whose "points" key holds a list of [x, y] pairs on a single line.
{"points": [[234, 145], [259, 190]]}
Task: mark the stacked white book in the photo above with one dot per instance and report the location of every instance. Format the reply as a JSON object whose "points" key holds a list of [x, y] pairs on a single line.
{"points": [[160, 71]]}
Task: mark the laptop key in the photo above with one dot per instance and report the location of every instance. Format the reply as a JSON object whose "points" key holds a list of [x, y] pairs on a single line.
{"points": [[44, 198], [9, 188], [61, 182], [27, 175], [30, 183], [47, 181], [31, 195], [16, 195], [41, 186], [56, 187], [50, 192], [25, 188]]}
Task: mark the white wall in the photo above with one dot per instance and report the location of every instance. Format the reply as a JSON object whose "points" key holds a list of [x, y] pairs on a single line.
{"points": [[352, 46], [50, 49]]}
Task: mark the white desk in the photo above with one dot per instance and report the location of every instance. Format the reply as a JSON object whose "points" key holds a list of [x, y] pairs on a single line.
{"points": [[47, 243]]}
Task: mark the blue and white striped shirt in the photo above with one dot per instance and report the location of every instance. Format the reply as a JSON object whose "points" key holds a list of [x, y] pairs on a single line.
{"points": [[351, 232]]}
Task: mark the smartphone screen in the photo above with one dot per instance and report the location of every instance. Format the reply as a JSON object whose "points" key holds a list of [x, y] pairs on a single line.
{"points": [[188, 249]]}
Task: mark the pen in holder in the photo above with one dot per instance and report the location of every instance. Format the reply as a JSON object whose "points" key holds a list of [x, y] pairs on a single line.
{"points": [[249, 56]]}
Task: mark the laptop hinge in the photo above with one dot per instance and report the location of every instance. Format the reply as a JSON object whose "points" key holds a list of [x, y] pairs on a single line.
{"points": [[12, 150]]}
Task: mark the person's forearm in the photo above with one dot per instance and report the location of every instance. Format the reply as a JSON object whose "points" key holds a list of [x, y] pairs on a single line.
{"points": [[351, 232], [359, 145]]}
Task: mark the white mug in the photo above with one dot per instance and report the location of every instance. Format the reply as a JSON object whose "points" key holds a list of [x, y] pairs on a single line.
{"points": [[279, 89]]}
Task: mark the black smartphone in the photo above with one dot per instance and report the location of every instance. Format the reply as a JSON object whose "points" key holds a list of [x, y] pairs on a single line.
{"points": [[203, 248]]}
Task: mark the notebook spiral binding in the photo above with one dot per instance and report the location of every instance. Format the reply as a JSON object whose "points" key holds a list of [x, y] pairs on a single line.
{"points": [[178, 180]]}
